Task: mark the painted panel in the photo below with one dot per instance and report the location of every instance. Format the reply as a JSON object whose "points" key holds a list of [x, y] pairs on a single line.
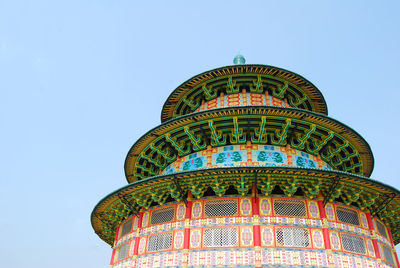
{"points": [[241, 99], [180, 212], [313, 209], [242, 252], [246, 236], [145, 219], [265, 206], [142, 245], [318, 239], [197, 209], [330, 213], [195, 238], [335, 240], [267, 236], [246, 155], [178, 239], [245, 207]]}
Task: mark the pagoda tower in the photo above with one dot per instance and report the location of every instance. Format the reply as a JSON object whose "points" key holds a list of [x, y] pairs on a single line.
{"points": [[247, 170]]}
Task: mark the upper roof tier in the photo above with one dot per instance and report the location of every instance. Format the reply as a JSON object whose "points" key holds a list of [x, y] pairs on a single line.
{"points": [[289, 87]]}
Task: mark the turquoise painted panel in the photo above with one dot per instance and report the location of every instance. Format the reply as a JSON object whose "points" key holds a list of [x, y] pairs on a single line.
{"points": [[170, 169], [194, 163], [228, 158], [301, 161], [238, 155], [270, 158]]}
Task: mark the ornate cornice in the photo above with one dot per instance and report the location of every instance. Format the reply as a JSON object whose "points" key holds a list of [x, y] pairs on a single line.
{"points": [[369, 195], [280, 83], [314, 133]]}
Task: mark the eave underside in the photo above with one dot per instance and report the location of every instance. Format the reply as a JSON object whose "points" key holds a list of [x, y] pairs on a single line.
{"points": [[267, 78], [337, 144], [369, 195]]}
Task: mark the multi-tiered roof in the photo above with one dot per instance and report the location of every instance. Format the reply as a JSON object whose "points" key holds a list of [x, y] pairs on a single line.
{"points": [[245, 107]]}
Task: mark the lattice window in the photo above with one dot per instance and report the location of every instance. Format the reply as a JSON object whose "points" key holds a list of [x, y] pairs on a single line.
{"points": [[347, 215], [127, 227], [387, 252], [294, 208], [353, 243], [220, 237], [162, 215], [159, 242], [216, 208], [123, 251], [293, 237], [381, 228]]}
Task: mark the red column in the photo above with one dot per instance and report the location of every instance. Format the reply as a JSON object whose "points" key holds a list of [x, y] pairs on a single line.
{"points": [[372, 230], [187, 221], [394, 253], [390, 236], [135, 250], [325, 230], [116, 234], [115, 241], [112, 257], [256, 227], [186, 238]]}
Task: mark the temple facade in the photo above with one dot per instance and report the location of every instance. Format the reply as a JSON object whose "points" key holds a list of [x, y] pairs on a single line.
{"points": [[247, 170]]}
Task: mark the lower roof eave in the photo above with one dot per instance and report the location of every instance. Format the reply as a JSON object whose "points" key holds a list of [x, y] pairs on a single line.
{"points": [[385, 192]]}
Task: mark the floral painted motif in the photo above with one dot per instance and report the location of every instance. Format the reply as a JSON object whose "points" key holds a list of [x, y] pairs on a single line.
{"points": [[196, 210], [313, 208], [180, 212], [145, 219], [380, 249], [132, 248], [245, 206], [170, 169], [330, 214], [237, 155], [265, 207], [195, 163], [267, 237], [178, 240], [370, 246], [135, 222], [195, 238], [270, 157], [142, 245], [228, 157], [364, 220], [318, 239], [335, 243], [247, 236], [305, 162]]}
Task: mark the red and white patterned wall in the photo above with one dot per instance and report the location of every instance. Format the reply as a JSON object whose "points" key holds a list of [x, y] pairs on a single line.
{"points": [[253, 232]]}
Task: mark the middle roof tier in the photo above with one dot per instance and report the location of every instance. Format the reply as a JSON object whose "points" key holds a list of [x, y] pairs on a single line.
{"points": [[336, 144]]}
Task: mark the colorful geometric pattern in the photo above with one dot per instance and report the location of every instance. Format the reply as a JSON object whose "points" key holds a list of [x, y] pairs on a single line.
{"points": [[246, 155], [249, 258], [242, 99], [271, 248]]}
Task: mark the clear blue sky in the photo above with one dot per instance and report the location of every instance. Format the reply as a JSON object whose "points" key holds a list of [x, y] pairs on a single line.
{"points": [[81, 81]]}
